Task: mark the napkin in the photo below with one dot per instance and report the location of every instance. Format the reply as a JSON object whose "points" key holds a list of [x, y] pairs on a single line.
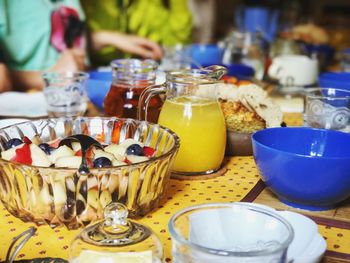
{"points": [[19, 104]]}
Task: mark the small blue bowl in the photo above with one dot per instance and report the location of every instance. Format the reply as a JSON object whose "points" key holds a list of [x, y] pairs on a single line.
{"points": [[324, 53], [240, 71], [306, 168], [205, 55], [337, 80], [98, 86]]}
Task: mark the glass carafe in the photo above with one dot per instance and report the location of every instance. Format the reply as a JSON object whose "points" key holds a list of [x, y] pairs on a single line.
{"points": [[192, 111], [116, 239], [130, 78]]}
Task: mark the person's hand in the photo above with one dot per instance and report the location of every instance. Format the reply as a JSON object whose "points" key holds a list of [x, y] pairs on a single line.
{"points": [[140, 46], [132, 44], [5, 78], [70, 60]]}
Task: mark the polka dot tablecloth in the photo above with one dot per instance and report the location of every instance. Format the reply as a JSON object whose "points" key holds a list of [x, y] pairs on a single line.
{"points": [[240, 182], [234, 185]]}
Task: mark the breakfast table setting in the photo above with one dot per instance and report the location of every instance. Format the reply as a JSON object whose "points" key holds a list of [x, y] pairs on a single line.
{"points": [[187, 198]]}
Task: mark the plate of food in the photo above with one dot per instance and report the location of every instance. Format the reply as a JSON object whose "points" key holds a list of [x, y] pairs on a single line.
{"points": [[247, 108]]}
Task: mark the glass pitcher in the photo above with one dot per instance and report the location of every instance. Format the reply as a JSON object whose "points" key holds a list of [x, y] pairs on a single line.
{"points": [[130, 78], [192, 111]]}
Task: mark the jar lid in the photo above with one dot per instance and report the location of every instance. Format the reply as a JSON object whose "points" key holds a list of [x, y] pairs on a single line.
{"points": [[115, 230]]}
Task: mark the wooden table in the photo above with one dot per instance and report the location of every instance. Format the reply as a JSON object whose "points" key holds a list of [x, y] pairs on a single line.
{"points": [[241, 182]]}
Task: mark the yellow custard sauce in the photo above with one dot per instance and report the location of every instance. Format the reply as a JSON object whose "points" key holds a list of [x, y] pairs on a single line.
{"points": [[200, 124]]}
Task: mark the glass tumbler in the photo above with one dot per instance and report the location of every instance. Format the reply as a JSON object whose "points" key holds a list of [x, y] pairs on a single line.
{"points": [[229, 233], [65, 93], [327, 108]]}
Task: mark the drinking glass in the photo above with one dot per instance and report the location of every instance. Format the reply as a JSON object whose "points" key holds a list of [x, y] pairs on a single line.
{"points": [[175, 58], [194, 116], [65, 93], [229, 233], [345, 60], [327, 108], [246, 48]]}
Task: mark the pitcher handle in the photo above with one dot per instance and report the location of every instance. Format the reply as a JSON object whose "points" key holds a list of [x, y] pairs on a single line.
{"points": [[146, 96], [216, 71]]}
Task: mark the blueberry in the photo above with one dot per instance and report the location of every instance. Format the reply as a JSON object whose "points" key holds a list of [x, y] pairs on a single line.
{"points": [[13, 143], [46, 148], [135, 149], [102, 162], [283, 124]]}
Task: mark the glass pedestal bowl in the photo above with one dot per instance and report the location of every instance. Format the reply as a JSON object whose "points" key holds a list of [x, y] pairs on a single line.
{"points": [[59, 196]]}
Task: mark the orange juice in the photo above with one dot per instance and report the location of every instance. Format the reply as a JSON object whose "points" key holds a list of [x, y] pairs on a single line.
{"points": [[200, 124]]}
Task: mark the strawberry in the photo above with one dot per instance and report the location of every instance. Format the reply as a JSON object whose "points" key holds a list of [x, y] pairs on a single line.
{"points": [[23, 155], [26, 140], [127, 161], [78, 153], [90, 153], [148, 151], [89, 162], [55, 143]]}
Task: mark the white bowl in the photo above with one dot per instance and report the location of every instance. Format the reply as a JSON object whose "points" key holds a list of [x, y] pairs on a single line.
{"points": [[308, 246]]}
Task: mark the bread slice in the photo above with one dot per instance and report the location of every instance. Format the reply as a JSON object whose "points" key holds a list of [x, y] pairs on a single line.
{"points": [[256, 99], [252, 97]]}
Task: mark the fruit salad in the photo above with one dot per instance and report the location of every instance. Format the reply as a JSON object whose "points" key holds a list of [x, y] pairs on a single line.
{"points": [[42, 179], [53, 154], [58, 195]]}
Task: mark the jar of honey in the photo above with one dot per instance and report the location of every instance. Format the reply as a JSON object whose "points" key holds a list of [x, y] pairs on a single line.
{"points": [[130, 78]]}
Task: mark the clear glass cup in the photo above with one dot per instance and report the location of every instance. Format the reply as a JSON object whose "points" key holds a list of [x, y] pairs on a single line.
{"points": [[175, 58], [246, 48], [65, 93], [229, 233], [194, 116], [130, 78], [327, 108], [345, 60]]}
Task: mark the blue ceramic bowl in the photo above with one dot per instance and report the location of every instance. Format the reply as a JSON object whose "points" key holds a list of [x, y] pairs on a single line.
{"points": [[324, 53], [306, 168], [338, 80], [98, 86], [240, 71], [205, 55]]}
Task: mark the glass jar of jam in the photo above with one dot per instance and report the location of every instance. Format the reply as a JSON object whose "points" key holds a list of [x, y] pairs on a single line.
{"points": [[130, 78]]}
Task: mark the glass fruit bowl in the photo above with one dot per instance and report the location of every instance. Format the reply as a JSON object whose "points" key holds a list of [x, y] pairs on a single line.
{"points": [[60, 196]]}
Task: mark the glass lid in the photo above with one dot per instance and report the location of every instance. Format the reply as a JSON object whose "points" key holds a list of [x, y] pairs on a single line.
{"points": [[116, 239], [116, 229]]}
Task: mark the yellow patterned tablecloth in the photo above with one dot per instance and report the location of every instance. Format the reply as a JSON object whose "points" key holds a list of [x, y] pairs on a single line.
{"points": [[240, 182], [237, 182]]}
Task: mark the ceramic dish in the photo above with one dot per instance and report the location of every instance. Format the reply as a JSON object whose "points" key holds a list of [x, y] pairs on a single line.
{"points": [[238, 144], [305, 167], [308, 246]]}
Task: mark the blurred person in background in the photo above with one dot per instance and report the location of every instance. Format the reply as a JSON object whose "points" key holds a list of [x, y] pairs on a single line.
{"points": [[50, 35], [36, 36], [5, 82], [140, 27]]}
